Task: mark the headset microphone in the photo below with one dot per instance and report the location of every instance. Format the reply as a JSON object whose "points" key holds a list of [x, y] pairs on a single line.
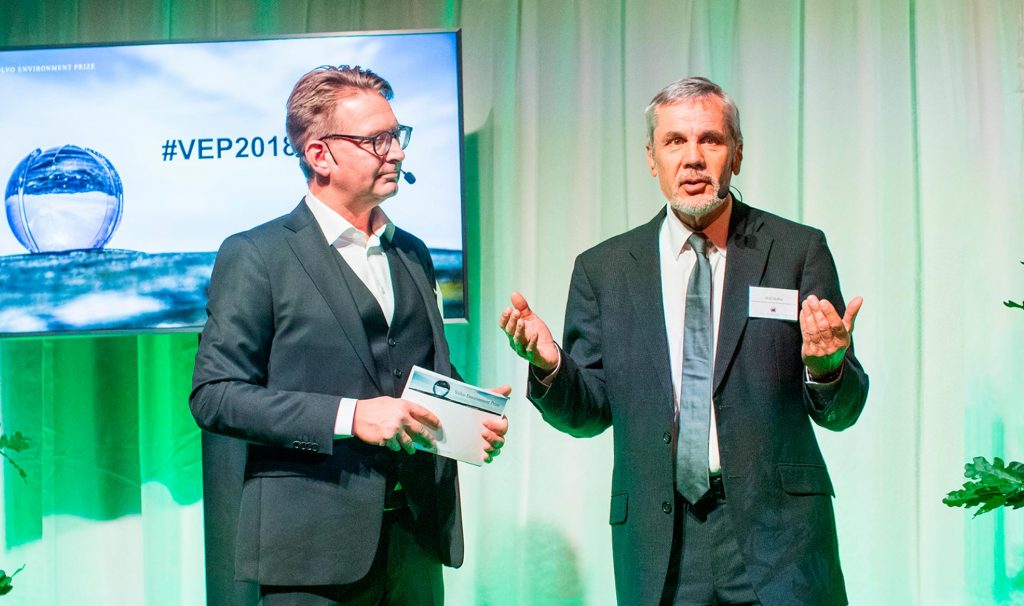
{"points": [[408, 176]]}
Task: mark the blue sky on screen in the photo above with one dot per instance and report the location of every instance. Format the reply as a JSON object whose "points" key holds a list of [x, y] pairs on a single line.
{"points": [[130, 102]]}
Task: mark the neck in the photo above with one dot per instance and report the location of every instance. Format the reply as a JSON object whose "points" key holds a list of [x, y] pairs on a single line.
{"points": [[357, 212]]}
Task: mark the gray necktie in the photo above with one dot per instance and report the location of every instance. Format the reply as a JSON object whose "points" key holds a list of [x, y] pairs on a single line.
{"points": [[695, 399]]}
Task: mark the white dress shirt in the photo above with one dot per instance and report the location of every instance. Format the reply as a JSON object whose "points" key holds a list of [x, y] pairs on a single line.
{"points": [[677, 261], [365, 256]]}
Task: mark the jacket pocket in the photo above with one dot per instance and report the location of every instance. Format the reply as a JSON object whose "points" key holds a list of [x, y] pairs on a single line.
{"points": [[805, 479], [619, 508]]}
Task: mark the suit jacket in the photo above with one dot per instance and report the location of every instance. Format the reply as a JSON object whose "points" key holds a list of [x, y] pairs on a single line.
{"points": [[615, 372], [283, 342]]}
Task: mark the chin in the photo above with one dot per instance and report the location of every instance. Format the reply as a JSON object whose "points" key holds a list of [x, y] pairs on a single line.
{"points": [[697, 207]]}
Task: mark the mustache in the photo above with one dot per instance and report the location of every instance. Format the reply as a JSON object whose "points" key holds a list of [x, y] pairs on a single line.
{"points": [[698, 176]]}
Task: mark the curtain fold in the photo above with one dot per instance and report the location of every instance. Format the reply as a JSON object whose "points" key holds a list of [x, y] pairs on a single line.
{"points": [[896, 127]]}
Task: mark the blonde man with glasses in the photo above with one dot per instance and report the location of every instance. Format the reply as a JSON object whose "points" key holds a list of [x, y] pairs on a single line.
{"points": [[315, 320]]}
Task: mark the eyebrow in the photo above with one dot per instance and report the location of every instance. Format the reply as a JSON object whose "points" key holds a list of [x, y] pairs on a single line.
{"points": [[704, 133]]}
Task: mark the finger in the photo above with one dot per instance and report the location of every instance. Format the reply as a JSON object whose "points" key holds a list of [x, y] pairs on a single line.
{"points": [[504, 390], [808, 324], [521, 340], [821, 323], [519, 302], [852, 309], [497, 425], [407, 442], [494, 441], [531, 345], [417, 432], [835, 323], [511, 323], [423, 416]]}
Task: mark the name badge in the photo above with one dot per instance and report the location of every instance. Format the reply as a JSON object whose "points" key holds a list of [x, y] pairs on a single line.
{"points": [[773, 303]]}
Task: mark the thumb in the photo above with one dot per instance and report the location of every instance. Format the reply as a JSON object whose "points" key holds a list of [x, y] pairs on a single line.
{"points": [[519, 302], [852, 309], [504, 390]]}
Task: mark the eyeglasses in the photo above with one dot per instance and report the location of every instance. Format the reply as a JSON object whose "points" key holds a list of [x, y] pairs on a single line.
{"points": [[381, 142]]}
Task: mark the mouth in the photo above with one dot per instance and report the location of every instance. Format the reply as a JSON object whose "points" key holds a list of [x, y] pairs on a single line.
{"points": [[694, 185]]}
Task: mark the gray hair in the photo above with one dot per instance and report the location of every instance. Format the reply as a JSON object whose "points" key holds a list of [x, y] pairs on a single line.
{"points": [[692, 89], [314, 98]]}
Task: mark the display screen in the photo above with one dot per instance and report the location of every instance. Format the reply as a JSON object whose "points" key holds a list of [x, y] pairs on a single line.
{"points": [[125, 167]]}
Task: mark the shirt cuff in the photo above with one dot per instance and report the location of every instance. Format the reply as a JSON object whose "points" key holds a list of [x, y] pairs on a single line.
{"points": [[833, 381], [346, 416], [546, 379]]}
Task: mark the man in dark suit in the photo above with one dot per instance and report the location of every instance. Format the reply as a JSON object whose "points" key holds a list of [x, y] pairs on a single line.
{"points": [[315, 320], [720, 494]]}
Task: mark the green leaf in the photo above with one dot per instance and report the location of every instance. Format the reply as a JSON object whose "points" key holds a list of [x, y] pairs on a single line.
{"points": [[992, 485], [6, 582]]}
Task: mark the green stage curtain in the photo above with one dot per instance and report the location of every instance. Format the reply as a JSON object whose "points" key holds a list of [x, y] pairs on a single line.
{"points": [[894, 125]]}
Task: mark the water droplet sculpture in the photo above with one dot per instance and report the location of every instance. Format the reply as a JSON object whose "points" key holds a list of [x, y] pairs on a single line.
{"points": [[64, 198]]}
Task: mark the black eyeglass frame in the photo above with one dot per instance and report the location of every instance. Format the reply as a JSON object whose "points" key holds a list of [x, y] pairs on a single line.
{"points": [[402, 134]]}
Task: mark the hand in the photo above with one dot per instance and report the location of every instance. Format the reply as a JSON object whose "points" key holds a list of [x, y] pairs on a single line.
{"points": [[826, 336], [395, 423], [528, 335], [495, 429]]}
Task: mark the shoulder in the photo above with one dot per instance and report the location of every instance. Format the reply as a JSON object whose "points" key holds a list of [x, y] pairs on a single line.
{"points": [[639, 237], [406, 241], [751, 221], [269, 234]]}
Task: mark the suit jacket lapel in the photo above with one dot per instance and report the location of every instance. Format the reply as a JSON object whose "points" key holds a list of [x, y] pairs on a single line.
{"points": [[320, 262], [406, 251], [747, 254], [644, 280]]}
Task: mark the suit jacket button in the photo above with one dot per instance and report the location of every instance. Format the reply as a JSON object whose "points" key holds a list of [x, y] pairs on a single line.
{"points": [[667, 438], [666, 507]]}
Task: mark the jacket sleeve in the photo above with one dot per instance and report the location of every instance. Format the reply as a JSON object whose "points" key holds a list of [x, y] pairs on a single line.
{"points": [[840, 407], [229, 386], [576, 402]]}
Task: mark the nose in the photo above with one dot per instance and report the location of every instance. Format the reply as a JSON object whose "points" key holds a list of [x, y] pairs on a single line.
{"points": [[395, 154], [693, 157]]}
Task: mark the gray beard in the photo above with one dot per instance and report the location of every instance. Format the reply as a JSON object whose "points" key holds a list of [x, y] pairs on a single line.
{"points": [[698, 208]]}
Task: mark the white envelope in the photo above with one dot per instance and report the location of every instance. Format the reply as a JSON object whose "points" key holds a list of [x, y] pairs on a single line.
{"points": [[461, 407]]}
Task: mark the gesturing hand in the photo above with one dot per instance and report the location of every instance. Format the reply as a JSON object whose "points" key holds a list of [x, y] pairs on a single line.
{"points": [[826, 336], [528, 335], [395, 423]]}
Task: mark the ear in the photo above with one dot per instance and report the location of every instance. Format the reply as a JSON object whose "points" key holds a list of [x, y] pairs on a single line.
{"points": [[737, 159], [318, 157], [650, 160]]}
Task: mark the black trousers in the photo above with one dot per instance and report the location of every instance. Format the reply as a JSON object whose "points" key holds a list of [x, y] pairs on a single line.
{"points": [[402, 574], [706, 567]]}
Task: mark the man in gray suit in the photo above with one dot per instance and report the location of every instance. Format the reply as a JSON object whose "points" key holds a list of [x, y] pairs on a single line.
{"points": [[315, 320], [684, 335]]}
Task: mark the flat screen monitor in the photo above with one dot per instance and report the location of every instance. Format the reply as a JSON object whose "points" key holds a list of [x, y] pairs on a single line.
{"points": [[124, 167]]}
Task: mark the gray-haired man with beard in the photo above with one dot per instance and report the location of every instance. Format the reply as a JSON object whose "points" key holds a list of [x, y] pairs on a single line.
{"points": [[685, 335]]}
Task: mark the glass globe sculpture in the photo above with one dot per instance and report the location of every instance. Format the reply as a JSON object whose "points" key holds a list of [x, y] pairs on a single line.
{"points": [[64, 198]]}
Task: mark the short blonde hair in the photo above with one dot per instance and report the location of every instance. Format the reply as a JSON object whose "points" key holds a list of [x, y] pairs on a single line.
{"points": [[313, 100]]}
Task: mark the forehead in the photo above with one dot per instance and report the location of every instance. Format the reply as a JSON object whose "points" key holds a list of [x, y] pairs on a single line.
{"points": [[363, 110], [703, 114]]}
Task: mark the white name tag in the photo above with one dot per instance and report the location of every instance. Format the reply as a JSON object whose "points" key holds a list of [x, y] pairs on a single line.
{"points": [[774, 303]]}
